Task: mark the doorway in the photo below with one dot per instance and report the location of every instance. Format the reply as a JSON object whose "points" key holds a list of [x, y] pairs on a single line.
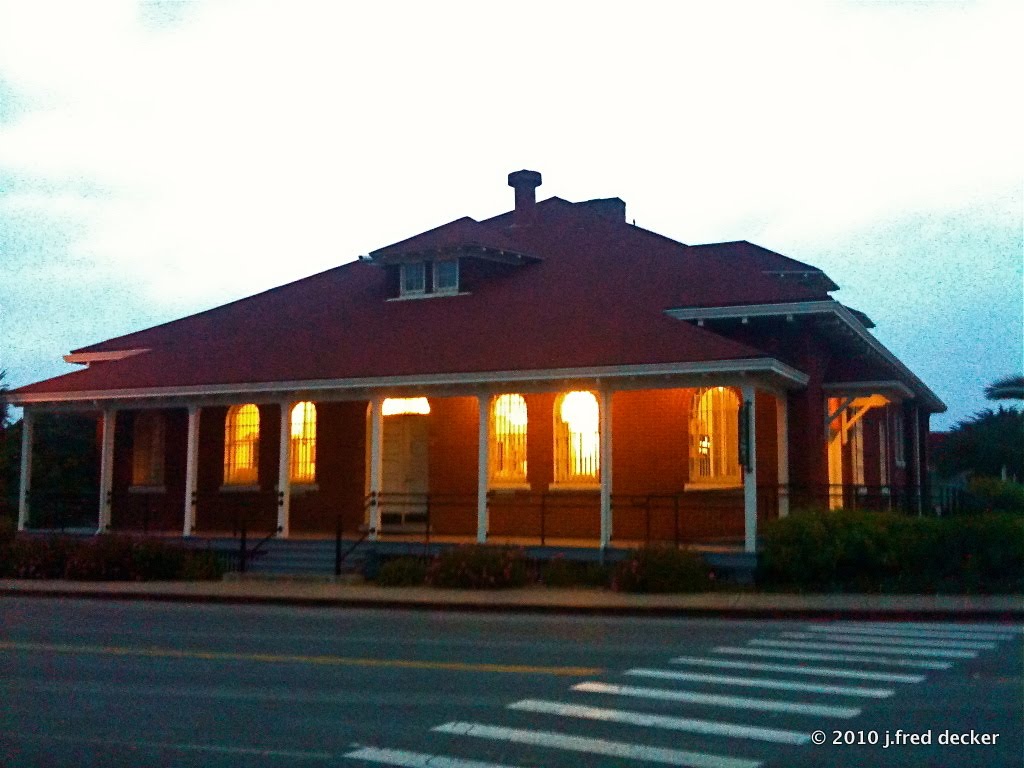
{"points": [[404, 470]]}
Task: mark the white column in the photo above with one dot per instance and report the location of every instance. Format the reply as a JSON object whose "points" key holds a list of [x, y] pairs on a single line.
{"points": [[376, 466], [916, 455], [483, 462], [107, 469], [750, 475], [26, 468], [284, 454], [782, 448], [191, 470], [605, 431]]}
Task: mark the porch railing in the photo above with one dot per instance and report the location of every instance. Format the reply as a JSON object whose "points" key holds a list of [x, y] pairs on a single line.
{"points": [[63, 510]]}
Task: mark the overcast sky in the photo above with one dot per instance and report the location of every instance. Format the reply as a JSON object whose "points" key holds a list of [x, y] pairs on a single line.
{"points": [[158, 159]]}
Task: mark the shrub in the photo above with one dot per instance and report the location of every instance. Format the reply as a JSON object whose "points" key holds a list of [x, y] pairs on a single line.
{"points": [[402, 572], [662, 569], [38, 558], [559, 572], [107, 558], [995, 495], [477, 566], [7, 530], [885, 552]]}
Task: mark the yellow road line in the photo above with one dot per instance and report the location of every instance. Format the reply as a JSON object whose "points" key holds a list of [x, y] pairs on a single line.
{"points": [[271, 658]]}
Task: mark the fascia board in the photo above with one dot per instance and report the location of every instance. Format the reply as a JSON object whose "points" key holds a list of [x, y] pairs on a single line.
{"points": [[891, 386], [764, 366], [85, 358]]}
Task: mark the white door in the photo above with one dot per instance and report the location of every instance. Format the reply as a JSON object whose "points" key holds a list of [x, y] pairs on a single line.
{"points": [[404, 468]]}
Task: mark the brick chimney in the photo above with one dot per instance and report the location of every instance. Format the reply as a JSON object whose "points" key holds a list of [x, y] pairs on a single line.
{"points": [[525, 184]]}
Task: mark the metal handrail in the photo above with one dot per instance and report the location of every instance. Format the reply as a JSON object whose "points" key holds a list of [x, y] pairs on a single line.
{"points": [[339, 556]]}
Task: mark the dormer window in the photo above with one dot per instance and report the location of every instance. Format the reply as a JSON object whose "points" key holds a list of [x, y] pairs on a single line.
{"points": [[446, 276], [414, 278]]}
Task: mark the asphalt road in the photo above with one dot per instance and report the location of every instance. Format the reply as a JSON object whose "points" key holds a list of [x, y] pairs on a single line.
{"points": [[148, 684]]}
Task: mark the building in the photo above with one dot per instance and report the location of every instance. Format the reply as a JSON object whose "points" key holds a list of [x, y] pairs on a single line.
{"points": [[553, 373]]}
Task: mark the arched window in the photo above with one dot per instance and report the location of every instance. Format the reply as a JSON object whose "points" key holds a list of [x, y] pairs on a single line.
{"points": [[242, 445], [714, 438], [508, 440], [302, 467], [148, 449], [577, 439]]}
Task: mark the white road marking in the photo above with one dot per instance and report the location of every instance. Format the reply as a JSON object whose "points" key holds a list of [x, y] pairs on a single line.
{"points": [[967, 626], [835, 637], [798, 669], [646, 720], [736, 702], [405, 759], [940, 654], [938, 634], [805, 655], [751, 682], [618, 749]]}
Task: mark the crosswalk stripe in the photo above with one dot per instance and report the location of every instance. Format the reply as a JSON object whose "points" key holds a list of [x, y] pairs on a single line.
{"points": [[646, 720], [797, 669], [735, 702], [938, 634], [406, 759], [968, 626], [885, 661], [897, 641], [617, 749], [937, 653], [750, 682]]}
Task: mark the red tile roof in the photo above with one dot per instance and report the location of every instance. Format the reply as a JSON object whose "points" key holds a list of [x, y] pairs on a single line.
{"points": [[596, 297], [461, 233]]}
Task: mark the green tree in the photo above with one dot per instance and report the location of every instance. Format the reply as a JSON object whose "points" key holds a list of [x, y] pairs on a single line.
{"points": [[984, 444]]}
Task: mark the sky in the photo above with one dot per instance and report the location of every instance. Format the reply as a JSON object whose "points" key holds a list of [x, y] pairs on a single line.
{"points": [[158, 159]]}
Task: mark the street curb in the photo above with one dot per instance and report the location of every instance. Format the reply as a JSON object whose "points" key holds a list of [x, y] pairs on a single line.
{"points": [[823, 613]]}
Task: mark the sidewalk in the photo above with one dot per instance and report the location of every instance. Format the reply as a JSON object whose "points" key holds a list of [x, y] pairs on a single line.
{"points": [[299, 592]]}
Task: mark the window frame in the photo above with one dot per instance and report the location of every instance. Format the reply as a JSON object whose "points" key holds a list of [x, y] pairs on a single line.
{"points": [[729, 456], [404, 274], [304, 442], [899, 439], [438, 288], [564, 476], [513, 442], [237, 477], [149, 452]]}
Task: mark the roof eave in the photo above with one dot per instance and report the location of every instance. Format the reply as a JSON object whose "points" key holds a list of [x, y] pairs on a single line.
{"points": [[827, 306], [782, 375]]}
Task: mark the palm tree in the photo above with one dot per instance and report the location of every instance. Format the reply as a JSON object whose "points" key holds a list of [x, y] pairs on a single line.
{"points": [[1007, 388]]}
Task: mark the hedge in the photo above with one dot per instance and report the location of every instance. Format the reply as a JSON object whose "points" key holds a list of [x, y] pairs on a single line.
{"points": [[885, 552], [104, 558]]}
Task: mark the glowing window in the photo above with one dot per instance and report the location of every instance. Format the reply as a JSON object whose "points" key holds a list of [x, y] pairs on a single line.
{"points": [[148, 449], [395, 406], [302, 466], [508, 440], [446, 276], [714, 437], [242, 445], [577, 439], [414, 278]]}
